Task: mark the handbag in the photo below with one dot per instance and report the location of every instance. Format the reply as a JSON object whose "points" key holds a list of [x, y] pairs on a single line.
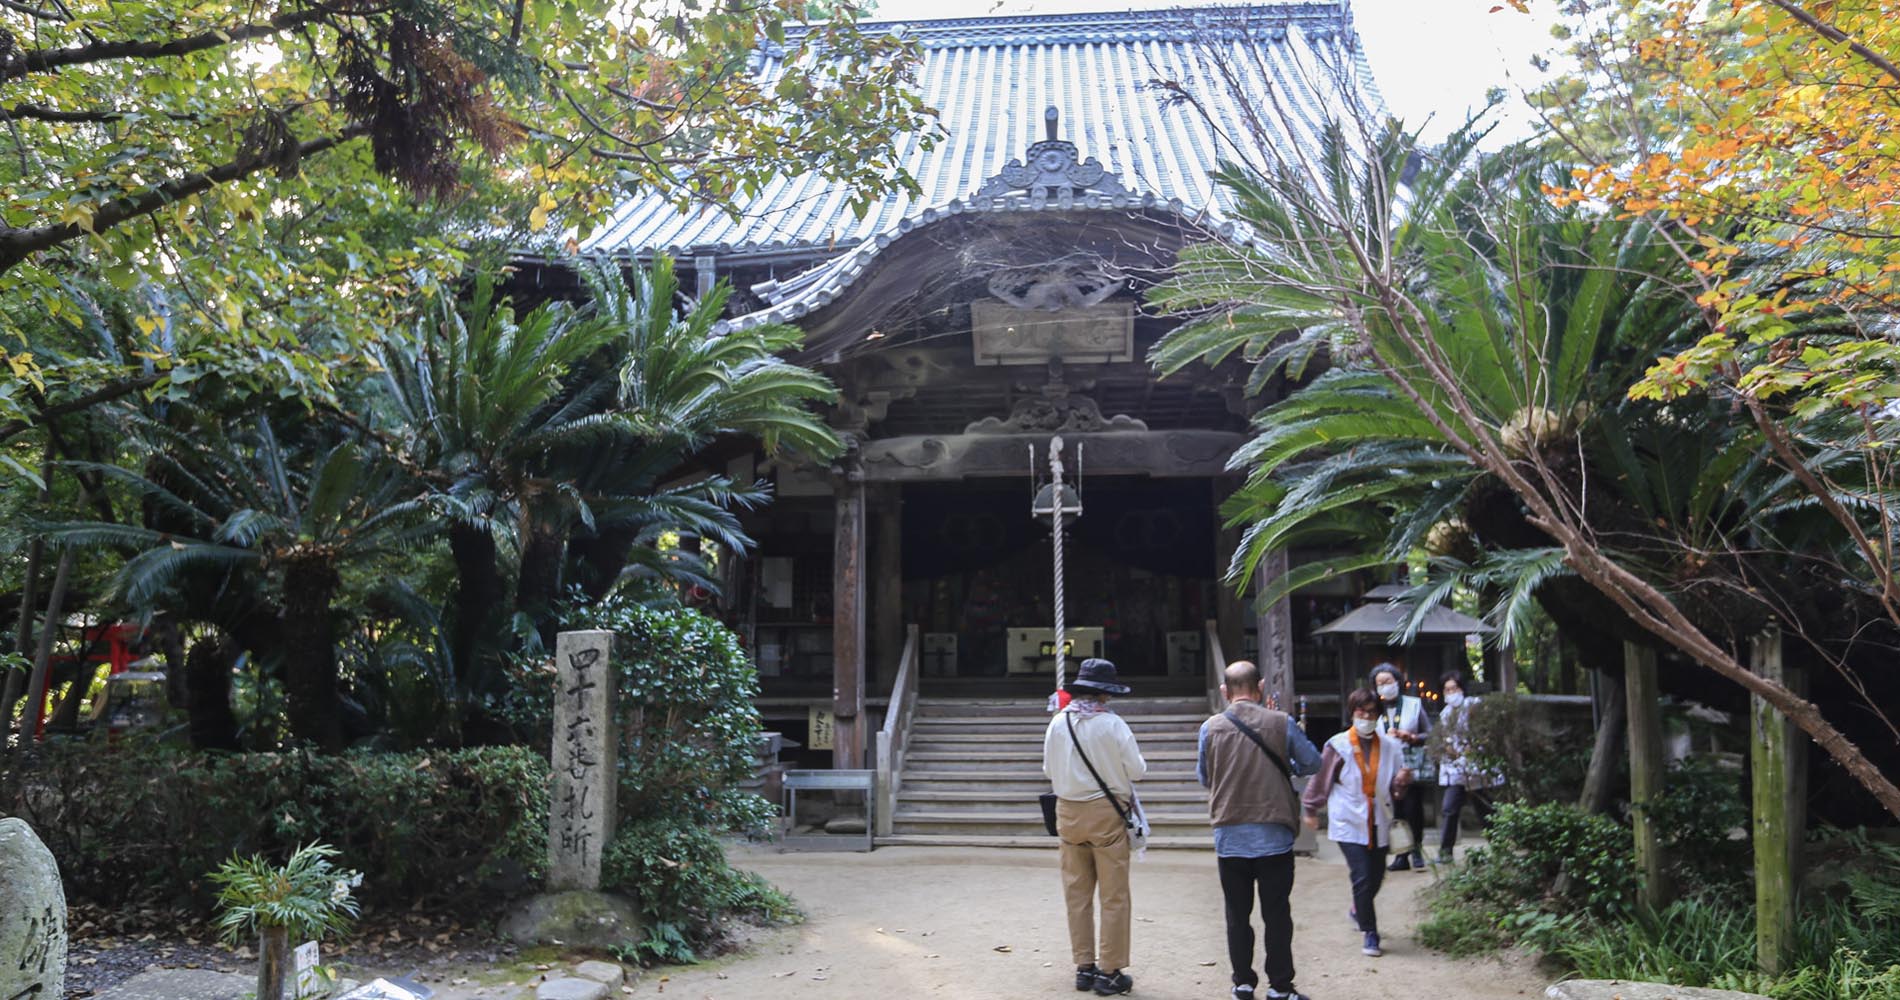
{"points": [[1048, 799]]}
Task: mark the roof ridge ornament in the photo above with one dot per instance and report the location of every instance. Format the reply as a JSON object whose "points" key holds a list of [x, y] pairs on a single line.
{"points": [[1052, 169]]}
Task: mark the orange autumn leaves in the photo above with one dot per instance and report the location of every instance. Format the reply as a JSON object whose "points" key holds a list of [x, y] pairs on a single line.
{"points": [[1785, 186]]}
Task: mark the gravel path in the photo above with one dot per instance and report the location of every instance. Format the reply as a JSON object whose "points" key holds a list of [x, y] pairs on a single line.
{"points": [[975, 924]]}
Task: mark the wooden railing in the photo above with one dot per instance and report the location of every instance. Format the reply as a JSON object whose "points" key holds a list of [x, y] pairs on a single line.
{"points": [[894, 737], [1216, 669]]}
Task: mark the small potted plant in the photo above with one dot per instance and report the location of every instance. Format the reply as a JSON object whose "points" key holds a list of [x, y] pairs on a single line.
{"points": [[304, 899]]}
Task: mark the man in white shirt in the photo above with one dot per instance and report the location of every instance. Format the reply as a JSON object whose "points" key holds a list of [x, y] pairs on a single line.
{"points": [[1086, 748]]}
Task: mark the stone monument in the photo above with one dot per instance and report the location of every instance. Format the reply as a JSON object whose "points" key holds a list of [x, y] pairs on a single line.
{"points": [[32, 917], [574, 912]]}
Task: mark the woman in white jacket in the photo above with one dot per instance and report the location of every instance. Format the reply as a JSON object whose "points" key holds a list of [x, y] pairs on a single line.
{"points": [[1455, 774], [1360, 773]]}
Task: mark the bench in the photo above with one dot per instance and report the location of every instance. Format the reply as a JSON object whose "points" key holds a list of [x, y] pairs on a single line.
{"points": [[828, 781]]}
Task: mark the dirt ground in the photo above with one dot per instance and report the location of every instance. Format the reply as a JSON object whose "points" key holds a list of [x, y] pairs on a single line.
{"points": [[975, 924]]}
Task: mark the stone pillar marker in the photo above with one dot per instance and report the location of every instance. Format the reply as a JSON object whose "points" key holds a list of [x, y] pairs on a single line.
{"points": [[581, 808], [32, 917]]}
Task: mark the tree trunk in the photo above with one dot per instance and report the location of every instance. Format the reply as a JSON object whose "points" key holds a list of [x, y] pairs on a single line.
{"points": [[477, 594], [1599, 783], [273, 962], [43, 657], [538, 587], [597, 561], [309, 652], [208, 689]]}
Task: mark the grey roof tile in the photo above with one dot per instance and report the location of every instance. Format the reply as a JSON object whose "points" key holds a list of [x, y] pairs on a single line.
{"points": [[991, 78]]}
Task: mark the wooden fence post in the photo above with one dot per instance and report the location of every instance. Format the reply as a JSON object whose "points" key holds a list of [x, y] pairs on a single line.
{"points": [[1643, 699], [1779, 810]]}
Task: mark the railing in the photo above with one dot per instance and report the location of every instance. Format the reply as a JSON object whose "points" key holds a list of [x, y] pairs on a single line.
{"points": [[1216, 669], [894, 737]]}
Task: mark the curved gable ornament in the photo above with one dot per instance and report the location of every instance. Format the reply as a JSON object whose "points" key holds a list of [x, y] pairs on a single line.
{"points": [[1052, 170]]}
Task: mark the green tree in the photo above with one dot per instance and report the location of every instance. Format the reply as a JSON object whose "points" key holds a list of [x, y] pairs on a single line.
{"points": [[297, 174], [1466, 333]]}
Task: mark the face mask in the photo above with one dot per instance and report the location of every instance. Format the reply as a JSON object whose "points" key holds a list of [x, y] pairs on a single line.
{"points": [[1388, 691], [1366, 727], [1455, 699]]}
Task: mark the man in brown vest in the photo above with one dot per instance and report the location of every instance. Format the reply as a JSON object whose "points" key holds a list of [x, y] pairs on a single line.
{"points": [[1248, 757]]}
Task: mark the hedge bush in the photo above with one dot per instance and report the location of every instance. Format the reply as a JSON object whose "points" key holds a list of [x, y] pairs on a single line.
{"points": [[689, 728], [145, 821]]}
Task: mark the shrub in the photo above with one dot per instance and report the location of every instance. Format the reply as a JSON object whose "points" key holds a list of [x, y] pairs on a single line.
{"points": [[689, 729], [1539, 757], [141, 821], [1702, 806], [678, 873], [1546, 868]]}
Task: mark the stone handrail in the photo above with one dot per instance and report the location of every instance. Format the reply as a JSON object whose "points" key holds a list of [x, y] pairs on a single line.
{"points": [[1216, 667], [894, 737]]}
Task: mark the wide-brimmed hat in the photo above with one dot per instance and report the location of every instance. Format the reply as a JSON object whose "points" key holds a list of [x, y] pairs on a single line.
{"points": [[1098, 675]]}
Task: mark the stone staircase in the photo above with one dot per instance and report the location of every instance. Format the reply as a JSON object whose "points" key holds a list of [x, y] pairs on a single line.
{"points": [[974, 769]]}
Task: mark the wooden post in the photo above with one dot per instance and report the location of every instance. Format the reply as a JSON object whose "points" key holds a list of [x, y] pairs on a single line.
{"points": [[847, 620], [885, 587], [1643, 700], [1274, 634], [1779, 754], [1597, 782]]}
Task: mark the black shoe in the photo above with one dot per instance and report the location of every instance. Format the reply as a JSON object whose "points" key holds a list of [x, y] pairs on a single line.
{"points": [[1418, 861], [1295, 995], [1085, 977], [1400, 863], [1243, 992], [1108, 984]]}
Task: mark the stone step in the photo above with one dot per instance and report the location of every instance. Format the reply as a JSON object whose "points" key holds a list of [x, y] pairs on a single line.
{"points": [[1038, 723], [1026, 783], [1031, 815], [1172, 739], [920, 758], [935, 708], [992, 797], [1039, 840]]}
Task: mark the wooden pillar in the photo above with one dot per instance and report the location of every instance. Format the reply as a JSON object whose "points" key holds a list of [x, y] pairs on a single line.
{"points": [[1608, 695], [1643, 699], [847, 618], [885, 587], [1779, 752], [1230, 605], [1506, 661], [1275, 634]]}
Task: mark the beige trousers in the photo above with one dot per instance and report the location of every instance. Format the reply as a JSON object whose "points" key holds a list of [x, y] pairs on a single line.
{"points": [[1095, 857]]}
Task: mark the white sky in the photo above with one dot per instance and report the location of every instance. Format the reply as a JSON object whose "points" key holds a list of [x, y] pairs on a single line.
{"points": [[1433, 58]]}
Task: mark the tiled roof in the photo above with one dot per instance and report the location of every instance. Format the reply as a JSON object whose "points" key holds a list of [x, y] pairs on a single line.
{"points": [[991, 79]]}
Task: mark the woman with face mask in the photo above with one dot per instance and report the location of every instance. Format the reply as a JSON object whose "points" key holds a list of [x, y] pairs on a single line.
{"points": [[1360, 774], [1404, 718], [1459, 779]]}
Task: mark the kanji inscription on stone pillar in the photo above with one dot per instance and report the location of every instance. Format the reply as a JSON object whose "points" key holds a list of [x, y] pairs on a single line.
{"points": [[581, 811]]}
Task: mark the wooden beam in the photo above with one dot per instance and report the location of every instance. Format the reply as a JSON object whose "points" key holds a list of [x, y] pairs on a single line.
{"points": [[1230, 606], [1779, 758], [885, 586], [942, 457], [847, 620], [1274, 635], [1643, 700]]}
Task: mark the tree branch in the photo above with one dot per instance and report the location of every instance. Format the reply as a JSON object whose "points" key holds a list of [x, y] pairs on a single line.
{"points": [[44, 60], [1836, 35], [32, 11], [104, 394], [17, 245]]}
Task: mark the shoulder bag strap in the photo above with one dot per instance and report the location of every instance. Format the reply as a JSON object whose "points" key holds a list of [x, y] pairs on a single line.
{"points": [[1093, 773], [1248, 731]]}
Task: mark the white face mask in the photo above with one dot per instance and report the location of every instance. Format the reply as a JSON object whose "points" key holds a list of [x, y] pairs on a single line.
{"points": [[1388, 691], [1366, 727], [1455, 698]]}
